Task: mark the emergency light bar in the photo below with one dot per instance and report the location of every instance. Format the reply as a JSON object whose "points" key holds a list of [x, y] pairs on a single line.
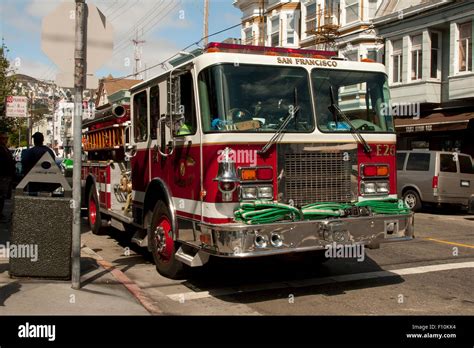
{"points": [[271, 51]]}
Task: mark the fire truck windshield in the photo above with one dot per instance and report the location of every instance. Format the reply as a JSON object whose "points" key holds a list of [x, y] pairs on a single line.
{"points": [[362, 96], [251, 98]]}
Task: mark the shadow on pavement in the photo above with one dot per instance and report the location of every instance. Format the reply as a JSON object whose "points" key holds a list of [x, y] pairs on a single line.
{"points": [[222, 273], [8, 290]]}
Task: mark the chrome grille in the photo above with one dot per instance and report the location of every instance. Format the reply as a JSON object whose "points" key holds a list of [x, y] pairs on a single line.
{"points": [[317, 177]]}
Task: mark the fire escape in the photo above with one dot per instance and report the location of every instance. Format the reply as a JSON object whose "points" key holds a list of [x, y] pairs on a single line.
{"points": [[324, 24]]}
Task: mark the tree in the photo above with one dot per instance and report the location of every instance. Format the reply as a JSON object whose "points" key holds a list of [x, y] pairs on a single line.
{"points": [[7, 83]]}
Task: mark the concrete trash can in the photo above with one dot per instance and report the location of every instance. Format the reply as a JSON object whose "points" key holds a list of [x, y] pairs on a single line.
{"points": [[41, 234]]}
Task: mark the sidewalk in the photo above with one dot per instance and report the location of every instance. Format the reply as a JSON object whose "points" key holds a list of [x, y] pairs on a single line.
{"points": [[101, 292]]}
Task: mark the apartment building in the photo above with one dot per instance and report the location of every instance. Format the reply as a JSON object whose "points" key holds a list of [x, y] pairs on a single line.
{"points": [[340, 25], [429, 56]]}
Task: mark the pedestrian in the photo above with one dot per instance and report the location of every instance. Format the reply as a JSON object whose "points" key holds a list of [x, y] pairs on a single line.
{"points": [[7, 172], [31, 156]]}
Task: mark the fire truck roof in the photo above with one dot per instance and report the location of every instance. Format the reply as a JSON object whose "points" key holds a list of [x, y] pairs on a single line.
{"points": [[219, 53]]}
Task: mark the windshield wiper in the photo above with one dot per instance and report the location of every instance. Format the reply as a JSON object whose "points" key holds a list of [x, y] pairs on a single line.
{"points": [[337, 111], [279, 132]]}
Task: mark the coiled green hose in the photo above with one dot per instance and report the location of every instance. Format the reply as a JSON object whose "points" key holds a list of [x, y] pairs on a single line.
{"points": [[387, 206], [260, 212]]}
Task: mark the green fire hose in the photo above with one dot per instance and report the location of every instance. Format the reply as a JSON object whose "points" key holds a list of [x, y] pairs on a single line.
{"points": [[260, 212]]}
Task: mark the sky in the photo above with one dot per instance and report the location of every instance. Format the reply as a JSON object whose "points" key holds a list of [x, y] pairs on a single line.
{"points": [[167, 26]]}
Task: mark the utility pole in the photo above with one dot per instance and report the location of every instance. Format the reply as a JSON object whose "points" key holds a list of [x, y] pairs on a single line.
{"points": [[79, 84], [29, 121], [261, 24], [206, 22], [138, 54]]}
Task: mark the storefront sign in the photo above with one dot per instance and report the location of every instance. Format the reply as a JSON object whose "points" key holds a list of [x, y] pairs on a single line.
{"points": [[421, 128]]}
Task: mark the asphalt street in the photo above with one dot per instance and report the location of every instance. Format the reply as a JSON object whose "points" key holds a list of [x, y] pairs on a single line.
{"points": [[432, 274]]}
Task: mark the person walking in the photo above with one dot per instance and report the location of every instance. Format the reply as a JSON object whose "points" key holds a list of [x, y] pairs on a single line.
{"points": [[7, 172], [32, 155]]}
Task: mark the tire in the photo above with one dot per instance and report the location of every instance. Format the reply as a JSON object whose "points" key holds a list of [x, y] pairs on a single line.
{"points": [[412, 200], [162, 245], [93, 213]]}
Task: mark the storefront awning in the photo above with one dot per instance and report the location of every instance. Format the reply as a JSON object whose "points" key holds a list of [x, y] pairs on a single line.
{"points": [[435, 122]]}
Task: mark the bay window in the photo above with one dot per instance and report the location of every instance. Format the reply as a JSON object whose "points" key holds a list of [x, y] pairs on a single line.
{"points": [[397, 61], [465, 47], [416, 57], [275, 33], [290, 29], [435, 67], [352, 11]]}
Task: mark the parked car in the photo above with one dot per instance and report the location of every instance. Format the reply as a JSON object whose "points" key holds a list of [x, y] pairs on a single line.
{"points": [[435, 177]]}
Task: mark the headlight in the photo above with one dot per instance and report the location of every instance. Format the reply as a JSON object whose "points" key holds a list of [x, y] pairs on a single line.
{"points": [[382, 187], [375, 188], [256, 192], [265, 192], [249, 192], [368, 188]]}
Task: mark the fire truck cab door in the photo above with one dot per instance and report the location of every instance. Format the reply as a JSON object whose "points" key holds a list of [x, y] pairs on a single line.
{"points": [[139, 138], [176, 136]]}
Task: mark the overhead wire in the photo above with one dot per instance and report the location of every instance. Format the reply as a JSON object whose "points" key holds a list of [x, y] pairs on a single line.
{"points": [[196, 43], [129, 33]]}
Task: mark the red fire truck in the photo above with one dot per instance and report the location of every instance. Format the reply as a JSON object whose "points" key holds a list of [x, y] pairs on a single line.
{"points": [[245, 151]]}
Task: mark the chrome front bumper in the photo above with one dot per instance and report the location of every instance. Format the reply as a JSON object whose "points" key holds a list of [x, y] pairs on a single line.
{"points": [[239, 240]]}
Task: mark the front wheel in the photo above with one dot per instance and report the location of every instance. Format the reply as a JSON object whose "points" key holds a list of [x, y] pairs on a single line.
{"points": [[95, 218], [412, 200], [162, 244]]}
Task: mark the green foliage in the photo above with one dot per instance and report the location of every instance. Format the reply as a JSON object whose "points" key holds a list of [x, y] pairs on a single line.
{"points": [[18, 131], [7, 83]]}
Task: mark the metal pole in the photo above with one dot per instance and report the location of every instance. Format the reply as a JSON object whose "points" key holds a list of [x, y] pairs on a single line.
{"points": [[28, 131], [79, 82], [206, 22]]}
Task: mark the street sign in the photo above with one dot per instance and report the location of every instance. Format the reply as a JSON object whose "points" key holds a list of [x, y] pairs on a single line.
{"points": [[16, 106], [58, 37]]}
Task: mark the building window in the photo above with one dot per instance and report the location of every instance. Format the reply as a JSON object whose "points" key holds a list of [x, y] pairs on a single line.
{"points": [[435, 67], [372, 54], [352, 11], [248, 36], [397, 60], [310, 17], [275, 37], [372, 8], [290, 29], [416, 57], [465, 47]]}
